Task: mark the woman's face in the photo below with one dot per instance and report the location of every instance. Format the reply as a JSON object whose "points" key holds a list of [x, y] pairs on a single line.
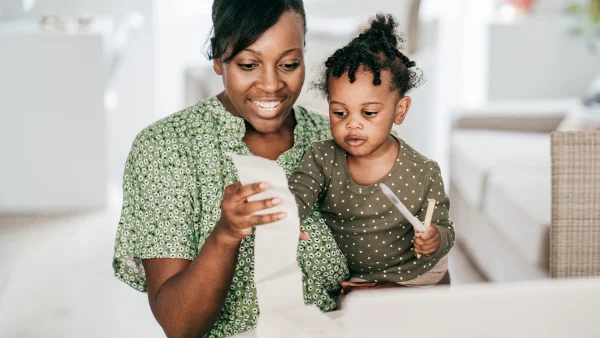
{"points": [[263, 81]]}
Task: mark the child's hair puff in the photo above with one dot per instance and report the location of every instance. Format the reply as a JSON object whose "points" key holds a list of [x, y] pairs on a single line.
{"points": [[374, 50]]}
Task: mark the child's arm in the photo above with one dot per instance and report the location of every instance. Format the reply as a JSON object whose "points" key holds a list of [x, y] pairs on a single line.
{"points": [[308, 181], [441, 219]]}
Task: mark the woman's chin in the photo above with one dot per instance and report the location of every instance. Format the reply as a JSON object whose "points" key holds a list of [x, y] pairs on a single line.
{"points": [[266, 126], [269, 121]]}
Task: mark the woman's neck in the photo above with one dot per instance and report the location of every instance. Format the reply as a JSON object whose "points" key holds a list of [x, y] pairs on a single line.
{"points": [[271, 145]]}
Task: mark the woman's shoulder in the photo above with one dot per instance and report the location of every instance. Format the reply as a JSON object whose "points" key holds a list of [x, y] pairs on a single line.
{"points": [[316, 124], [194, 116], [180, 127]]}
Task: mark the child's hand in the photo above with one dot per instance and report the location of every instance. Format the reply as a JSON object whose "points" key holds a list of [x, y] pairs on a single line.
{"points": [[349, 286], [426, 243]]}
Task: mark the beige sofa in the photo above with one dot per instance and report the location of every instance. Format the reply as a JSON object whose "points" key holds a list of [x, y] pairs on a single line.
{"points": [[575, 236], [502, 184]]}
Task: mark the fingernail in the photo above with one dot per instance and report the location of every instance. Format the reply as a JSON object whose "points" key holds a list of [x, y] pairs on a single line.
{"points": [[263, 185], [282, 215], [276, 200]]}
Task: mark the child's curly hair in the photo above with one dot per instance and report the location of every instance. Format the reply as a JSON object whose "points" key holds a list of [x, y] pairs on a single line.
{"points": [[375, 49]]}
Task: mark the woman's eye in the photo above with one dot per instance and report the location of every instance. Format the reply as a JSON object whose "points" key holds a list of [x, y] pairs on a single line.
{"points": [[339, 113], [247, 66], [290, 66], [370, 113]]}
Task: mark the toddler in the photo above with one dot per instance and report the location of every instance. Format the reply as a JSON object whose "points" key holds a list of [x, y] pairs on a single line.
{"points": [[366, 83]]}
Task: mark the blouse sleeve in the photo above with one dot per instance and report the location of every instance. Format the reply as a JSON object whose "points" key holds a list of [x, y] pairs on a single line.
{"points": [[157, 213]]}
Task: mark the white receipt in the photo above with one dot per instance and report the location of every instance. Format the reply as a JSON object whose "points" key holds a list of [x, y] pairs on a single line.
{"points": [[277, 276]]}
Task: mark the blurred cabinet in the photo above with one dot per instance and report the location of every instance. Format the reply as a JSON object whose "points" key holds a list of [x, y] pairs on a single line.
{"points": [[52, 120], [528, 58]]}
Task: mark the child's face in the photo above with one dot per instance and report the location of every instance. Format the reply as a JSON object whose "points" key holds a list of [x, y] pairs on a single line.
{"points": [[362, 114]]}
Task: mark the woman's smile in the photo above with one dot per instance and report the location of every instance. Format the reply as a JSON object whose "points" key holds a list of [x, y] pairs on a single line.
{"points": [[267, 109]]}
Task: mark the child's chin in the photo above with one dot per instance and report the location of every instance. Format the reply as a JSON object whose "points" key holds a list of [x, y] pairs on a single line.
{"points": [[357, 151]]}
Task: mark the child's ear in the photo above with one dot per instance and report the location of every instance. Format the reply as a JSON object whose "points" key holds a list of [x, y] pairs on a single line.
{"points": [[402, 109], [218, 67]]}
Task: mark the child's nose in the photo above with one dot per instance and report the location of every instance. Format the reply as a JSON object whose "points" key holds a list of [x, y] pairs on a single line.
{"points": [[353, 123]]}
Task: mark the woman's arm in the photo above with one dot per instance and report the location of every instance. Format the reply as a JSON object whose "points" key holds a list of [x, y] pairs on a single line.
{"points": [[186, 297]]}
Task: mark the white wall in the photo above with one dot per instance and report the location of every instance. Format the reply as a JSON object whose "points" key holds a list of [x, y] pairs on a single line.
{"points": [[134, 80], [134, 85], [52, 123], [536, 58], [523, 56], [182, 29]]}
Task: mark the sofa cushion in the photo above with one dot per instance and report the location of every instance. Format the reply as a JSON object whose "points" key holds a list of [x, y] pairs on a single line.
{"points": [[492, 254], [519, 203], [475, 152]]}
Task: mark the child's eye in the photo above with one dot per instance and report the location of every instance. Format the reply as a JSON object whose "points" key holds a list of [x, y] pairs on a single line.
{"points": [[339, 113], [370, 113], [247, 66]]}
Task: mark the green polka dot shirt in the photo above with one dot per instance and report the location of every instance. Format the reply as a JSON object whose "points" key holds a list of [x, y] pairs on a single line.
{"points": [[173, 184]]}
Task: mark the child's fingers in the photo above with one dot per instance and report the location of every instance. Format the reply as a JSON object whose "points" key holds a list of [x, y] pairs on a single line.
{"points": [[424, 249], [430, 233], [427, 252], [421, 241], [349, 284]]}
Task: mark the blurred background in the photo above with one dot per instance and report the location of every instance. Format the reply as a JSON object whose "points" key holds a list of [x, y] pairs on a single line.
{"points": [[80, 78]]}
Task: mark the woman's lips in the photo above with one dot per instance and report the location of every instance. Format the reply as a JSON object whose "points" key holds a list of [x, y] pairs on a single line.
{"points": [[355, 141], [266, 109]]}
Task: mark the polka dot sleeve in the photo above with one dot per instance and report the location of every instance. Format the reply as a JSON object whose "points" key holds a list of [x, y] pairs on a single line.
{"points": [[307, 183], [441, 215], [156, 220]]}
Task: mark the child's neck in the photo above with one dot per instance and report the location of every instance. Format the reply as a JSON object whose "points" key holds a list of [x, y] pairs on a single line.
{"points": [[368, 169]]}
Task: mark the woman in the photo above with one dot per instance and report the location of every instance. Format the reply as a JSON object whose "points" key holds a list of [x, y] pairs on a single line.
{"points": [[185, 234]]}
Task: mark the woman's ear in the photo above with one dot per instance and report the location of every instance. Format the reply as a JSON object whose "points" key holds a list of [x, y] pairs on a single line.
{"points": [[402, 109], [218, 67]]}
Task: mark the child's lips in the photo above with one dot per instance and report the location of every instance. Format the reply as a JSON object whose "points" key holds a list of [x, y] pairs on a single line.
{"points": [[355, 141]]}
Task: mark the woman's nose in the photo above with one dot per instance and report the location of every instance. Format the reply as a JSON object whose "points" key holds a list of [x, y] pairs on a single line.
{"points": [[270, 81]]}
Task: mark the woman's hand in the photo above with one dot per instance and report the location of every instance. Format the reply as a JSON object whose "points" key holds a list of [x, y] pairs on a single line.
{"points": [[237, 213], [427, 243]]}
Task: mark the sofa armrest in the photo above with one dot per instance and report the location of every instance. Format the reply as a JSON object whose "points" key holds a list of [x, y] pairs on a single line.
{"points": [[531, 124], [541, 116], [575, 234]]}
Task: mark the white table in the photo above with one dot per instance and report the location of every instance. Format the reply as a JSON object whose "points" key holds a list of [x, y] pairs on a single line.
{"points": [[549, 309]]}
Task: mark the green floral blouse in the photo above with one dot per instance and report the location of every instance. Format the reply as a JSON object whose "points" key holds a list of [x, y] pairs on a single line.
{"points": [[173, 184]]}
